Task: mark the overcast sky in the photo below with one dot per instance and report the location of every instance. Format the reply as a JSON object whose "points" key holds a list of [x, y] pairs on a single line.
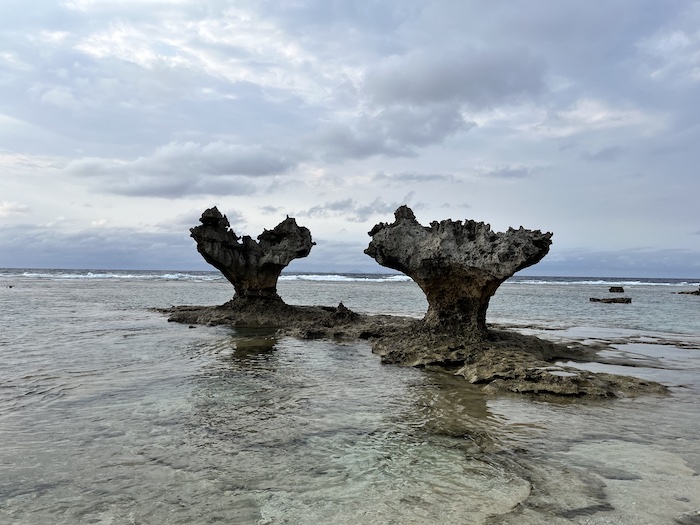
{"points": [[122, 120]]}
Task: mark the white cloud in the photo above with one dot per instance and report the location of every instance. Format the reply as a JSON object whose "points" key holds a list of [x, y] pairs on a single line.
{"points": [[8, 208], [180, 169]]}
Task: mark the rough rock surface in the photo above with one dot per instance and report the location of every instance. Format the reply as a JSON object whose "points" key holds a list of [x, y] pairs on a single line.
{"points": [[252, 267], [694, 292], [458, 265], [506, 361]]}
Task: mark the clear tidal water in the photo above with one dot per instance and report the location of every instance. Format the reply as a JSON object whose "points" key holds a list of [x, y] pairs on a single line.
{"points": [[109, 414]]}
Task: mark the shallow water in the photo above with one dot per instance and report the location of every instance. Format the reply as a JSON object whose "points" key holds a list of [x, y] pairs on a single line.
{"points": [[109, 414]]}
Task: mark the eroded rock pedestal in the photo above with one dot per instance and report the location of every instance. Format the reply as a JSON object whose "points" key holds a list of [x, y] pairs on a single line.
{"points": [[253, 267], [458, 265]]}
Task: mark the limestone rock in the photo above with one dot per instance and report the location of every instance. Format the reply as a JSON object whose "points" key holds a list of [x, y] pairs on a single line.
{"points": [[253, 267], [458, 265]]}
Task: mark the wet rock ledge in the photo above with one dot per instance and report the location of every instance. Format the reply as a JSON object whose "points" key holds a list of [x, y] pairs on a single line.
{"points": [[459, 266]]}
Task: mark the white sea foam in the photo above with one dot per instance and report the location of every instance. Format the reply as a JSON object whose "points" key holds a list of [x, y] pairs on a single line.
{"points": [[328, 277], [345, 277], [108, 275], [602, 281]]}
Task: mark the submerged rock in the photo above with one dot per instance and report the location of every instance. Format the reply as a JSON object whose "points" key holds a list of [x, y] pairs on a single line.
{"points": [[252, 267], [458, 265], [616, 289], [609, 300]]}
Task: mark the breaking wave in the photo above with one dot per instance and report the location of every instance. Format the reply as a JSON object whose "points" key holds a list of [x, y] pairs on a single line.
{"points": [[171, 275]]}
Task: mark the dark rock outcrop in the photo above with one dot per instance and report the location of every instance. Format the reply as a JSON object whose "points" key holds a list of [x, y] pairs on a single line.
{"points": [[621, 300], [616, 289], [252, 267], [458, 265], [694, 292]]}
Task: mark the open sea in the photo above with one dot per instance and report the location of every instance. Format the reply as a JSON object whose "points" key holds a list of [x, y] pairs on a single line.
{"points": [[111, 415]]}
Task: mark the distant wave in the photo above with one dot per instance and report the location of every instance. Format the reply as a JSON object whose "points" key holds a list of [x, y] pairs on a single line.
{"points": [[110, 274], [188, 276], [327, 277], [344, 277], [602, 281]]}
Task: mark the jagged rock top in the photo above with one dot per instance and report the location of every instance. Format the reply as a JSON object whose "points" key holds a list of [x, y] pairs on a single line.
{"points": [[459, 265], [253, 267], [407, 245]]}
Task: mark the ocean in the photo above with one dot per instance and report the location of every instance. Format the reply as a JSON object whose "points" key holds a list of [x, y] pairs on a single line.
{"points": [[111, 415]]}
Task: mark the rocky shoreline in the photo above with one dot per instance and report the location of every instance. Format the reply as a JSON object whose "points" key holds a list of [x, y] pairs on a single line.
{"points": [[458, 265]]}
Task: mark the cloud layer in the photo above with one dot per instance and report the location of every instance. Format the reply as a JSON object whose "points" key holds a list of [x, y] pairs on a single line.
{"points": [[562, 116]]}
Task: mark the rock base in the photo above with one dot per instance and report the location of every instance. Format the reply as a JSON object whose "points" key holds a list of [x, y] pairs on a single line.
{"points": [[502, 361], [507, 361]]}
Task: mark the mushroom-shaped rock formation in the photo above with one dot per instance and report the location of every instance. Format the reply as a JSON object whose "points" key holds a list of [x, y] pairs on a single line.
{"points": [[458, 265], [252, 267]]}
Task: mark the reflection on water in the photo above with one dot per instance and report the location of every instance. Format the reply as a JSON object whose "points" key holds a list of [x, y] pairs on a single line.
{"points": [[108, 414], [246, 428], [319, 431]]}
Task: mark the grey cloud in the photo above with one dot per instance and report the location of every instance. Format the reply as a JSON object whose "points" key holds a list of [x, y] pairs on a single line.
{"points": [[338, 256], [480, 78], [451, 206], [507, 172], [180, 169], [175, 186], [376, 207], [409, 177], [635, 262], [184, 221], [28, 246], [394, 131], [329, 208], [350, 210], [215, 158], [270, 210], [608, 154]]}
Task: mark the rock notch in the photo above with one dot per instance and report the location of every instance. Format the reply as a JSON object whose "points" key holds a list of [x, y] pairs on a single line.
{"points": [[458, 265], [252, 267]]}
